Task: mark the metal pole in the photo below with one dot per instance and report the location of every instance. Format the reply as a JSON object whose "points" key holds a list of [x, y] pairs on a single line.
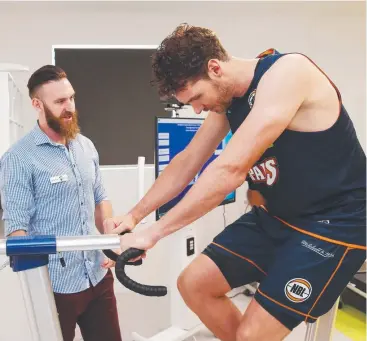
{"points": [[2, 246], [310, 331], [83, 243], [35, 282], [322, 329], [28, 303], [76, 243], [40, 304]]}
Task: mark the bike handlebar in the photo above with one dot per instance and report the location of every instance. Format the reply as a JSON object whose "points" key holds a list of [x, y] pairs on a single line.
{"points": [[23, 246]]}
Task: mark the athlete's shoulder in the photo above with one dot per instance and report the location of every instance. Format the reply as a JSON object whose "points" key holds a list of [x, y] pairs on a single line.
{"points": [[282, 89], [293, 66], [289, 61]]}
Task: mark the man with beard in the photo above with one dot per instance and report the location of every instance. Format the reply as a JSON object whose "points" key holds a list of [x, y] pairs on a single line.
{"points": [[294, 143], [51, 183]]}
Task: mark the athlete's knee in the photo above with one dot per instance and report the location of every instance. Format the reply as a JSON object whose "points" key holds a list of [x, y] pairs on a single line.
{"points": [[202, 278], [186, 283], [247, 333], [191, 281]]}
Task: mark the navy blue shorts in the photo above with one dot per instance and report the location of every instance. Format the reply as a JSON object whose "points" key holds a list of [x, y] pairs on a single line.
{"points": [[301, 273]]}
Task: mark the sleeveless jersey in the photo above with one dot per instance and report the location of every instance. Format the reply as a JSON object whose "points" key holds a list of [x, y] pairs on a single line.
{"points": [[305, 174]]}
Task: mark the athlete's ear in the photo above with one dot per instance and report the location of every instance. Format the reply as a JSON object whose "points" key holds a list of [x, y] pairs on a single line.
{"points": [[214, 69]]}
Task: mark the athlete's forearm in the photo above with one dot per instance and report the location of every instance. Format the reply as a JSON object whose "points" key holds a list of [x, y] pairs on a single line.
{"points": [[18, 233], [102, 211], [208, 192], [172, 181]]}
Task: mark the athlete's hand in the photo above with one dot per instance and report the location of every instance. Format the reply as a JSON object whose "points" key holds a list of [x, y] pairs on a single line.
{"points": [[119, 224], [109, 263], [142, 240], [255, 198]]}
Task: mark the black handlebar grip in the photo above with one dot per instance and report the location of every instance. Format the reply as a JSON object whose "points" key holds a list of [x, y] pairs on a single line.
{"points": [[113, 255], [146, 290]]}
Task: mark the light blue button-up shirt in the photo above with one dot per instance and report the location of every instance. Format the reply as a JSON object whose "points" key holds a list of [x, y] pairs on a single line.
{"points": [[47, 188]]}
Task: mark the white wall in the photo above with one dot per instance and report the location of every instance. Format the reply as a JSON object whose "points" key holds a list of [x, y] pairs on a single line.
{"points": [[332, 33]]}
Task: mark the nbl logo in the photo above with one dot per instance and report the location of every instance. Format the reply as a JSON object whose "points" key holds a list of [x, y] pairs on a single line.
{"points": [[298, 290]]}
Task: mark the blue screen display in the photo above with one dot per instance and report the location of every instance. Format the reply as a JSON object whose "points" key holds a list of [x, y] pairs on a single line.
{"points": [[172, 136]]}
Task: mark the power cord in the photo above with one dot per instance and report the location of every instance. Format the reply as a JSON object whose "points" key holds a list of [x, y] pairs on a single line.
{"points": [[235, 295], [224, 213]]}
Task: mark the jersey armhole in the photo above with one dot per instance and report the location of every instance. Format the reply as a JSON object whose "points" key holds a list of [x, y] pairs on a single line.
{"points": [[327, 77]]}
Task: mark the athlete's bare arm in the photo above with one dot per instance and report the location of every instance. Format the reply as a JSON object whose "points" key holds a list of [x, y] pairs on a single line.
{"points": [[280, 94]]}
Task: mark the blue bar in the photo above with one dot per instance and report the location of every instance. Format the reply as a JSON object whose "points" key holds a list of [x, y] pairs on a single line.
{"points": [[22, 263], [31, 245]]}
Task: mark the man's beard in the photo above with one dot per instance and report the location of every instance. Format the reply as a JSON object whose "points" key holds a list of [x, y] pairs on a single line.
{"points": [[68, 129], [224, 98]]}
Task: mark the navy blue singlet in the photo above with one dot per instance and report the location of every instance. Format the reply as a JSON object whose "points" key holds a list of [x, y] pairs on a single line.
{"points": [[304, 173]]}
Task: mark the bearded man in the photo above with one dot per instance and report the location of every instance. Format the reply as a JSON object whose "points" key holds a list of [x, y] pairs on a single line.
{"points": [[50, 183]]}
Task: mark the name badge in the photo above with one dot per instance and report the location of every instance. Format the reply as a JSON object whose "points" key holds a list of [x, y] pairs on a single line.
{"points": [[59, 178]]}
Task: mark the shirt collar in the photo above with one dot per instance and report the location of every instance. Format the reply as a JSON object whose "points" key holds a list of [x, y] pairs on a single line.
{"points": [[40, 137]]}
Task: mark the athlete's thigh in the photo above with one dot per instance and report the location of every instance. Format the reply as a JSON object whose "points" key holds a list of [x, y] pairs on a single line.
{"points": [[202, 275], [258, 324], [307, 277]]}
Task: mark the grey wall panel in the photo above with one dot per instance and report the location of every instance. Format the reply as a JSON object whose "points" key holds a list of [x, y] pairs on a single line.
{"points": [[115, 100]]}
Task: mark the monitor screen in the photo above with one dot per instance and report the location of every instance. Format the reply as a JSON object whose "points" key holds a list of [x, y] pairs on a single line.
{"points": [[172, 136]]}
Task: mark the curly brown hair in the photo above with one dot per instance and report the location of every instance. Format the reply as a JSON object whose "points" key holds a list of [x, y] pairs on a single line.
{"points": [[183, 56]]}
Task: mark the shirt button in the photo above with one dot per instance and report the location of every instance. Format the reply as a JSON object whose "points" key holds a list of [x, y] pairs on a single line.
{"points": [[81, 204]]}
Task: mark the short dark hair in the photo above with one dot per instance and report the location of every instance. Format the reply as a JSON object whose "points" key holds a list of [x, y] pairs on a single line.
{"points": [[183, 56], [43, 75]]}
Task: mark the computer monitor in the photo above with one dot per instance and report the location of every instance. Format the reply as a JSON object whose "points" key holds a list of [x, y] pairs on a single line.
{"points": [[172, 136]]}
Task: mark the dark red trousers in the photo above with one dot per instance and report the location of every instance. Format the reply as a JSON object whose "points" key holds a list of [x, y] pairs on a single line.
{"points": [[94, 310]]}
